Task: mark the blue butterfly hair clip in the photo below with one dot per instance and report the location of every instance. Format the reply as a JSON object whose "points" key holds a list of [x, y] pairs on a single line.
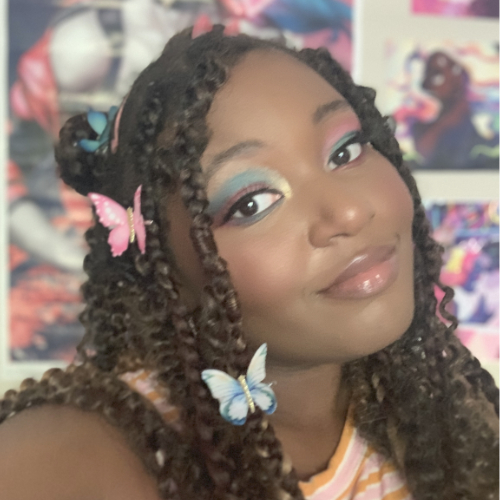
{"points": [[101, 125], [238, 396]]}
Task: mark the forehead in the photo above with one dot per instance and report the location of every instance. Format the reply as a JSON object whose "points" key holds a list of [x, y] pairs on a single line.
{"points": [[266, 93]]}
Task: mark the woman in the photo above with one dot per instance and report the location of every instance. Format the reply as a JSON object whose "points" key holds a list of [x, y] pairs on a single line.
{"points": [[273, 213]]}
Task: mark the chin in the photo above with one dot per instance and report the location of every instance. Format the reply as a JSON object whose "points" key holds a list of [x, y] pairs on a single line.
{"points": [[382, 334], [379, 325]]}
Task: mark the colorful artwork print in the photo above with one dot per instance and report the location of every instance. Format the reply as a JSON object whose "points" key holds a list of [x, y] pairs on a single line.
{"points": [[64, 58], [444, 98], [456, 8], [469, 234]]}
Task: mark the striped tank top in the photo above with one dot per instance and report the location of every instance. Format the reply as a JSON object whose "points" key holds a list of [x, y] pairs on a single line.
{"points": [[355, 472]]}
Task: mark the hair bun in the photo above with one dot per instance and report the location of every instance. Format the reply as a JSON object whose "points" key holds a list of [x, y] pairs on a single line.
{"points": [[78, 168]]}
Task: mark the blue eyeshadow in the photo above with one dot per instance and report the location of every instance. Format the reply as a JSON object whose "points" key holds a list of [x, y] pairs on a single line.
{"points": [[237, 183], [344, 139]]}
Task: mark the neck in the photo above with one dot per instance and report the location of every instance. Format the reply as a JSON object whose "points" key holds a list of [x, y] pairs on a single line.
{"points": [[312, 408]]}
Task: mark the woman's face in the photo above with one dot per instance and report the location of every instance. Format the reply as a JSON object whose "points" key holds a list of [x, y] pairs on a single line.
{"points": [[314, 224]]}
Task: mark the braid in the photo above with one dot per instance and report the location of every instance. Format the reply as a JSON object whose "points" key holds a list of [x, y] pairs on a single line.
{"points": [[226, 348], [416, 385], [220, 299], [90, 389]]}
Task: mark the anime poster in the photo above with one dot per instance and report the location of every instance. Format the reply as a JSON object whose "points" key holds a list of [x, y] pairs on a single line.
{"points": [[64, 58], [444, 98], [469, 234], [456, 8]]}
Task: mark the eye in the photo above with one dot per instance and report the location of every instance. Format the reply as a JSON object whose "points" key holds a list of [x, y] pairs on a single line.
{"points": [[345, 154], [253, 206]]}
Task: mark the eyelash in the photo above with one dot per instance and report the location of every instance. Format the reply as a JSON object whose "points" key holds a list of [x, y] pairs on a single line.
{"points": [[360, 138], [250, 192]]}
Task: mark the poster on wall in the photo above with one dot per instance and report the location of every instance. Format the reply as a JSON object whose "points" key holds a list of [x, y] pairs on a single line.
{"points": [[469, 235], [66, 58], [457, 8], [445, 100]]}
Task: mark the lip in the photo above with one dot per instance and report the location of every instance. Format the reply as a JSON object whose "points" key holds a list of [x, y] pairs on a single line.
{"points": [[368, 273]]}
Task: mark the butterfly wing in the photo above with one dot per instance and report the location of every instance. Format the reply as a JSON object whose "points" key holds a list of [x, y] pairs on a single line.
{"points": [[101, 125], [230, 394], [106, 131], [264, 398], [235, 410], [222, 386], [257, 369], [89, 145], [118, 239], [97, 121], [113, 216], [262, 394], [140, 230]]}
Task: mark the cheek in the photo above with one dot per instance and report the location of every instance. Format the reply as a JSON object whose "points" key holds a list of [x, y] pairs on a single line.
{"points": [[395, 204], [260, 268]]}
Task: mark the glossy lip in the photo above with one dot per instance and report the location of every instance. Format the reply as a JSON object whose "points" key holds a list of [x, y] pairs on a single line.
{"points": [[368, 273]]}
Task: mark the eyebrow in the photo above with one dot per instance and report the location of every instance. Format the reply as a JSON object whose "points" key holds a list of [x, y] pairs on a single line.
{"points": [[239, 149], [251, 146], [324, 110]]}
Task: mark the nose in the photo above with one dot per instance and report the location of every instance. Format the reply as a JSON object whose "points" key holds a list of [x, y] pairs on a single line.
{"points": [[338, 210]]}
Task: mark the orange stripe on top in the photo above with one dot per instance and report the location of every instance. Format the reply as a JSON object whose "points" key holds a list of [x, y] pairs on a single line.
{"points": [[355, 472], [145, 383], [350, 488], [323, 478], [374, 477]]}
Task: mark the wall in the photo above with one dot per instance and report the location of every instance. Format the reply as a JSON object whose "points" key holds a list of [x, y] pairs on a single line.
{"points": [[376, 21]]}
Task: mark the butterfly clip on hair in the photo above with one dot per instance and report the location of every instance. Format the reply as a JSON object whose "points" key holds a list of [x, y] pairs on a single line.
{"points": [[126, 224], [238, 396], [101, 125]]}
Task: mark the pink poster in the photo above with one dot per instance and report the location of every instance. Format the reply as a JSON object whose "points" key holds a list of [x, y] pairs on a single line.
{"points": [[469, 235], [456, 8]]}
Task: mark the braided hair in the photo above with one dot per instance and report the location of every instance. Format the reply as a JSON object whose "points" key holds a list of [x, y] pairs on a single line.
{"points": [[420, 401]]}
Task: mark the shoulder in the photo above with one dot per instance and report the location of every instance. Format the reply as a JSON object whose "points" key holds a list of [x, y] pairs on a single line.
{"points": [[59, 452], [80, 433]]}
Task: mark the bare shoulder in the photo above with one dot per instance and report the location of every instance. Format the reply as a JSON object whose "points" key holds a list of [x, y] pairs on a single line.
{"points": [[59, 452]]}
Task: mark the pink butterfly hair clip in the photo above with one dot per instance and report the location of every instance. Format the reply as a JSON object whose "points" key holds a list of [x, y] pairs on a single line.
{"points": [[126, 224]]}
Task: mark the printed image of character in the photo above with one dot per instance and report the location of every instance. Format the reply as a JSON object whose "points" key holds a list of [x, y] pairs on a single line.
{"points": [[451, 140], [87, 57], [80, 54]]}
